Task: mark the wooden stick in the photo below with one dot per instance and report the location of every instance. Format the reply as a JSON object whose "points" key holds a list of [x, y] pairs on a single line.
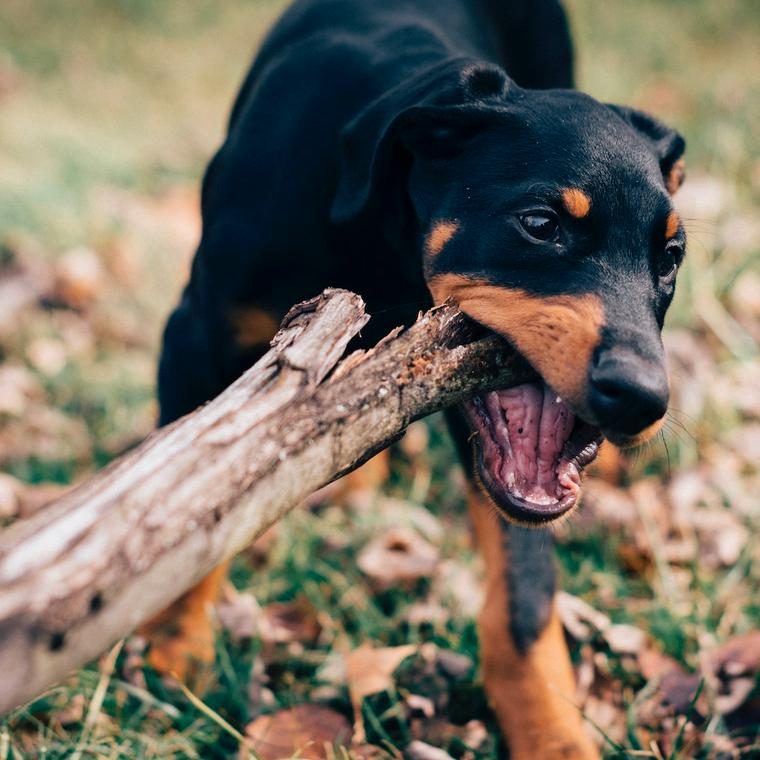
{"points": [[112, 552]]}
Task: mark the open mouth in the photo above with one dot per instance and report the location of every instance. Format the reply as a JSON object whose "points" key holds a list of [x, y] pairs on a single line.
{"points": [[531, 450]]}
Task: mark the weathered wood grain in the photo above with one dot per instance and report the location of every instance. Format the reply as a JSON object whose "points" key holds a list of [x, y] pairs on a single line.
{"points": [[112, 552]]}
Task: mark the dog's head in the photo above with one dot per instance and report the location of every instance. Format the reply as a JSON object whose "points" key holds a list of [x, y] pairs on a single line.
{"points": [[546, 216]]}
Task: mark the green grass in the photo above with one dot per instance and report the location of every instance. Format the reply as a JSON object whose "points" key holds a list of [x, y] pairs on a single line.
{"points": [[110, 110]]}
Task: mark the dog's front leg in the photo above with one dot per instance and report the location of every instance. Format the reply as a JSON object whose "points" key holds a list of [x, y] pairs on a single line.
{"points": [[526, 666], [181, 637]]}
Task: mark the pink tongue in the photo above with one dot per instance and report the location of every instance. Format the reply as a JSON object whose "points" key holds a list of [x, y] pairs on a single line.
{"points": [[539, 425]]}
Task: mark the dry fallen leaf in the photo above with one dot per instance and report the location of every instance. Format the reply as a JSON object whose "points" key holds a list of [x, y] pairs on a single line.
{"points": [[418, 703], [239, 613], [19, 388], [79, 277], [579, 618], [397, 557], [285, 622], [607, 504], [10, 502], [304, 731], [418, 750], [653, 664], [722, 537], [607, 716], [47, 355], [625, 639], [19, 291], [46, 433], [73, 712], [736, 665], [458, 584], [419, 613], [18, 499], [453, 664], [369, 671]]}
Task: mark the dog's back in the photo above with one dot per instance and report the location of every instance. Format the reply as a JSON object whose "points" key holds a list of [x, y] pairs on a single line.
{"points": [[268, 239]]}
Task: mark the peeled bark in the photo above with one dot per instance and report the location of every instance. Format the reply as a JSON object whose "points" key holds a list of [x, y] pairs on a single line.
{"points": [[112, 552]]}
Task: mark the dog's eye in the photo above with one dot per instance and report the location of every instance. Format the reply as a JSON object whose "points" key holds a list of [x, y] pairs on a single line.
{"points": [[668, 261], [540, 226]]}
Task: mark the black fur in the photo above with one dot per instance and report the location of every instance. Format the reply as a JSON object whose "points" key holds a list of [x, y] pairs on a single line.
{"points": [[361, 123], [531, 580]]}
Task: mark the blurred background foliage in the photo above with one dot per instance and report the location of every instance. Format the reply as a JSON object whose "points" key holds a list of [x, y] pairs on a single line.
{"points": [[109, 111]]}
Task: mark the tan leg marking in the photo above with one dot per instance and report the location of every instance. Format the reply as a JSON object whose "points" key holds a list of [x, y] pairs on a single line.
{"points": [[252, 326], [532, 694], [556, 334], [182, 636], [672, 225], [440, 234], [577, 203]]}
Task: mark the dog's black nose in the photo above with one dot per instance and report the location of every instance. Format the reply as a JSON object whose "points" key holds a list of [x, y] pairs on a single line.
{"points": [[627, 394]]}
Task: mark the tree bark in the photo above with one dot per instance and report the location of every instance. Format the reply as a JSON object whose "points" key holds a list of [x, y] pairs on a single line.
{"points": [[112, 552]]}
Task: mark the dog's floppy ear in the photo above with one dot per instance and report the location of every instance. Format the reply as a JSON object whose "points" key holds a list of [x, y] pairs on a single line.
{"points": [[665, 142], [431, 116]]}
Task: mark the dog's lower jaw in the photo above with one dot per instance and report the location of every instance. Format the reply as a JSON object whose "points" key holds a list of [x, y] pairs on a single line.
{"points": [[530, 451]]}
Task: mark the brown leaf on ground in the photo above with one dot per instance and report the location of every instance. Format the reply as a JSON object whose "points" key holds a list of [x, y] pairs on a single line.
{"points": [[458, 584], [19, 290], [625, 639], [10, 504], [420, 613], [73, 712], [19, 389], [258, 551], [47, 355], [239, 613], [370, 752], [744, 298], [397, 557], [653, 664], [579, 618], [606, 716], [79, 277], [607, 504], [736, 665], [305, 731], [418, 750], [722, 537], [738, 655], [369, 671], [18, 499], [673, 696], [285, 622], [438, 731], [46, 433]]}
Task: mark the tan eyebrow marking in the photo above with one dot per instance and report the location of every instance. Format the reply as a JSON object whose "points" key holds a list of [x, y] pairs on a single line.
{"points": [[440, 234], [672, 225], [577, 203]]}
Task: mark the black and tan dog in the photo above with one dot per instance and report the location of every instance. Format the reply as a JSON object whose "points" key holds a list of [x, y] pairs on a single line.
{"points": [[416, 151]]}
